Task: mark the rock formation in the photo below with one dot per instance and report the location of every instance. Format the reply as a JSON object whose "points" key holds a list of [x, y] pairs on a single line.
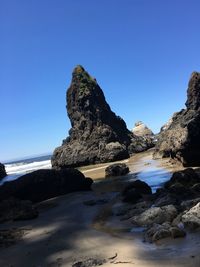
{"points": [[170, 212], [2, 171], [44, 184], [97, 134], [141, 129], [168, 123], [181, 140]]}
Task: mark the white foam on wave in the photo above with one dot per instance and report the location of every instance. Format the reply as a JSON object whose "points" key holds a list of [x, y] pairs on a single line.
{"points": [[19, 168], [15, 170]]}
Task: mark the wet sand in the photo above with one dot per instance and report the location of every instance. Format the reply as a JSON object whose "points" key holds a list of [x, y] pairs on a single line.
{"points": [[68, 231]]}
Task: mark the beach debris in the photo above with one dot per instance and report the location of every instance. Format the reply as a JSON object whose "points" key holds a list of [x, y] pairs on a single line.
{"points": [[113, 257]]}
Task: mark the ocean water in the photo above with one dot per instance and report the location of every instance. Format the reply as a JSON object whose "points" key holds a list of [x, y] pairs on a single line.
{"points": [[17, 168]]}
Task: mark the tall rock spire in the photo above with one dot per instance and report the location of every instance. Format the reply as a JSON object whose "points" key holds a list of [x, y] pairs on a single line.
{"points": [[97, 134]]}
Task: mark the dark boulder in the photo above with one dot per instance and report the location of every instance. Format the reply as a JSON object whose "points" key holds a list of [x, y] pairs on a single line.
{"points": [[97, 134], [2, 171], [135, 191], [132, 195], [186, 178], [181, 139], [183, 185], [117, 169], [15, 209], [44, 184]]}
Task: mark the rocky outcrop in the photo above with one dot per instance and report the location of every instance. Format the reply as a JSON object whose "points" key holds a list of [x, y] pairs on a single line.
{"points": [[117, 169], [157, 215], [181, 139], [168, 123], [141, 129], [187, 178], [167, 213], [160, 231], [191, 218], [97, 134], [182, 187], [44, 184], [2, 171]]}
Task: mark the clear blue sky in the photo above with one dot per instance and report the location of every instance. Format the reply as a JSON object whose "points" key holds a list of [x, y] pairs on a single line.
{"points": [[141, 52]]}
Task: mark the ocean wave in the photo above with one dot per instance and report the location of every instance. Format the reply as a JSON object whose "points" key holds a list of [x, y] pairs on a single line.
{"points": [[22, 167]]}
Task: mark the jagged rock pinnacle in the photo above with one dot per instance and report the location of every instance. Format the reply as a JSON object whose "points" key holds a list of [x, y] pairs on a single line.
{"points": [[97, 134]]}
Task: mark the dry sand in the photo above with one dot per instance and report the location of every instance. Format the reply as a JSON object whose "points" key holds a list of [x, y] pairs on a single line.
{"points": [[68, 231]]}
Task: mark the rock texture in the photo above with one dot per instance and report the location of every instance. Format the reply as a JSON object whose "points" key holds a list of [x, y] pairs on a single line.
{"points": [[117, 169], [155, 215], [181, 139], [44, 184], [167, 213], [160, 231], [2, 171], [191, 218], [141, 129], [168, 123], [97, 134], [135, 191], [182, 187], [15, 209]]}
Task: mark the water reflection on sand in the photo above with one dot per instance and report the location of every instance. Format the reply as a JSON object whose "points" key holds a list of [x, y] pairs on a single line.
{"points": [[142, 166]]}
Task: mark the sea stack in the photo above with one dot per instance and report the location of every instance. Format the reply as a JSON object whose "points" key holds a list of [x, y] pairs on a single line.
{"points": [[181, 139], [141, 129], [97, 134], [2, 171]]}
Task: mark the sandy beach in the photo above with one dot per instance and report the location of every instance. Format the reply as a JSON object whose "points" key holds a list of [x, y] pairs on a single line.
{"points": [[68, 230]]}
